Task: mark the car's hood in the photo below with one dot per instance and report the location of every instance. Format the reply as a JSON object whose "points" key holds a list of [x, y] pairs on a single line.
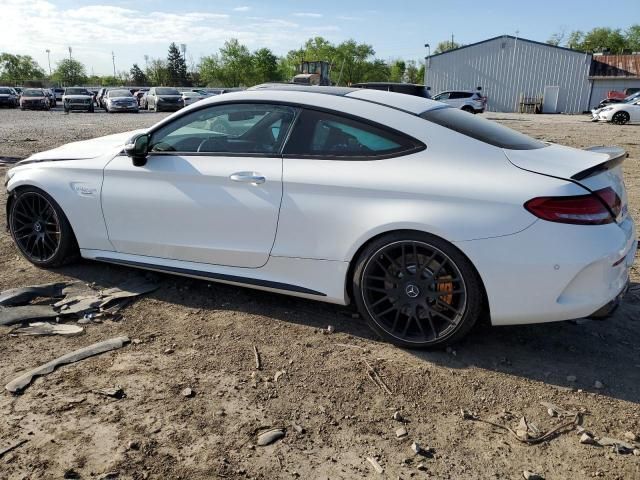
{"points": [[169, 97], [83, 150], [26, 97], [76, 97]]}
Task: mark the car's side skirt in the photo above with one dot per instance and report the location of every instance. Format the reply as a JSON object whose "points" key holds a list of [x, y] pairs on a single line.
{"points": [[313, 279]]}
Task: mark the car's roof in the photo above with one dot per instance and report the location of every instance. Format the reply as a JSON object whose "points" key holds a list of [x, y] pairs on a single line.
{"points": [[399, 101]]}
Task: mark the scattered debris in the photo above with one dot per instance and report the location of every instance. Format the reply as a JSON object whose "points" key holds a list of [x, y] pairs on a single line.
{"points": [[329, 330], [557, 410], [523, 432], [117, 393], [188, 393], [12, 447], [168, 351], [376, 466], [598, 384], [532, 476], [24, 295], [421, 466], [19, 384], [416, 448], [269, 436], [133, 445], [109, 476], [256, 354], [375, 378], [632, 437], [298, 428], [278, 374], [46, 328], [71, 474], [401, 432], [24, 313], [397, 416], [587, 439], [636, 452], [612, 442], [551, 412]]}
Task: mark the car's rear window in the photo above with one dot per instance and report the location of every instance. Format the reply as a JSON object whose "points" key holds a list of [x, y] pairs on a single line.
{"points": [[167, 91], [481, 129], [33, 93], [5, 91]]}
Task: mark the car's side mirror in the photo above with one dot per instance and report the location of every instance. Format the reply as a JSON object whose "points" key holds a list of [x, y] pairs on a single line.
{"points": [[138, 148]]}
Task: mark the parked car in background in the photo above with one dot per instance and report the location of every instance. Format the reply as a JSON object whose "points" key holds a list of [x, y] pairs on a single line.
{"points": [[34, 99], [77, 98], [610, 101], [347, 196], [18, 90], [8, 97], [58, 92], [120, 100], [51, 96], [467, 100], [142, 102], [191, 97], [619, 113], [100, 97], [164, 98], [406, 88], [139, 94]]}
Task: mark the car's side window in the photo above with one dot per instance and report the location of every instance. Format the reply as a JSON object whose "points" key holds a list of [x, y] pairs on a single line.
{"points": [[328, 135], [442, 96], [240, 128]]}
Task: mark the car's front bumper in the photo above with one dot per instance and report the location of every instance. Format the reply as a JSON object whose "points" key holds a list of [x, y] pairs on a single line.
{"points": [[601, 116], [168, 107], [123, 108], [551, 271]]}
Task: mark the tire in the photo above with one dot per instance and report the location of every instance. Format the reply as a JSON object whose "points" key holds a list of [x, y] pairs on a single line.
{"points": [[620, 118], [428, 303], [91, 110], [468, 109], [40, 229], [66, 110]]}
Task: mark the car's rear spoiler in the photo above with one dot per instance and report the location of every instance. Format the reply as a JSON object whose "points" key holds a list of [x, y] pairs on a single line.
{"points": [[616, 157]]}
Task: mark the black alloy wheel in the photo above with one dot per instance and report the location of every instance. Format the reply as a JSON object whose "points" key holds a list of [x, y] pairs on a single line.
{"points": [[417, 291], [620, 118], [40, 229]]}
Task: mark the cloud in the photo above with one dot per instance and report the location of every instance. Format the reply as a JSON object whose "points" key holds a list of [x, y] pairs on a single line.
{"points": [[308, 15], [242, 9]]}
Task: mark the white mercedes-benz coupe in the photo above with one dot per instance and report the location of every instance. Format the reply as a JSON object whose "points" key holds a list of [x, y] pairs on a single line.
{"points": [[423, 216]]}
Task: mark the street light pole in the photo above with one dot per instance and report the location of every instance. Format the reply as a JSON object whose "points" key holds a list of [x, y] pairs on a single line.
{"points": [[49, 60], [69, 53], [113, 59]]}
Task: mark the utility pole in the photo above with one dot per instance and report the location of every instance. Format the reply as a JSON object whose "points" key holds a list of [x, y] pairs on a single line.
{"points": [[113, 59], [452, 41], [69, 53], [49, 59], [146, 61]]}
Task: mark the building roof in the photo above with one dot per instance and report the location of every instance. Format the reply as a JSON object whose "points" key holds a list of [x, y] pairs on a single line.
{"points": [[616, 66], [519, 39]]}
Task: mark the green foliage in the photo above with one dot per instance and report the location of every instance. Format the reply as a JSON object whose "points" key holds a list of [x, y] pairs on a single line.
{"points": [[158, 73], [265, 66], [398, 69], [69, 72], [17, 69], [176, 67], [446, 46], [138, 76], [604, 38]]}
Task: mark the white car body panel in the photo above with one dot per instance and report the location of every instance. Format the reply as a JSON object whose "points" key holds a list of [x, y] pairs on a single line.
{"points": [[606, 113], [299, 231]]}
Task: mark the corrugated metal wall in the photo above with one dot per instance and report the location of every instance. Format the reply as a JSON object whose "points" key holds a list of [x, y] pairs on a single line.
{"points": [[602, 86], [506, 68]]}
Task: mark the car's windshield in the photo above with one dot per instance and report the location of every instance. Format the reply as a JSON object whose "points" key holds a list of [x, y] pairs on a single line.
{"points": [[77, 91], [167, 91], [33, 93], [632, 98], [119, 93], [481, 129], [5, 91]]}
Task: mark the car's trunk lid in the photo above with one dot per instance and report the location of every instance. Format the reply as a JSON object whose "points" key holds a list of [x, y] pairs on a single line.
{"points": [[594, 168]]}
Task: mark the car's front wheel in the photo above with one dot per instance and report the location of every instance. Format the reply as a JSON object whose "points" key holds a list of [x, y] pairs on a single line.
{"points": [[40, 229], [620, 118], [417, 290]]}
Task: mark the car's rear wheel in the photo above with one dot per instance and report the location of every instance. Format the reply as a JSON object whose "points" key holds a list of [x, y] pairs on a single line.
{"points": [[468, 109], [40, 229], [417, 290], [620, 118]]}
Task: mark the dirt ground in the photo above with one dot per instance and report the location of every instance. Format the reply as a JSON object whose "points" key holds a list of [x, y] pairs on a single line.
{"points": [[500, 374]]}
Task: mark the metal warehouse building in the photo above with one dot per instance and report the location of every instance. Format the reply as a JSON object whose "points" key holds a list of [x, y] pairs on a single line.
{"points": [[509, 69]]}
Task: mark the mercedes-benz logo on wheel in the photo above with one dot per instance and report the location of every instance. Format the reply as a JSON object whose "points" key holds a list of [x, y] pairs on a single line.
{"points": [[412, 290]]}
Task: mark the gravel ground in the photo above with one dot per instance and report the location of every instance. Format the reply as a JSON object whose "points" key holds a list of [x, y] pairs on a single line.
{"points": [[500, 374]]}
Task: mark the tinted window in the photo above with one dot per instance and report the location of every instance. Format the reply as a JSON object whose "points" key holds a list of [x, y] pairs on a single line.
{"points": [[457, 95], [76, 91], [167, 91], [481, 129], [5, 91], [442, 96], [119, 93], [33, 93], [328, 135], [240, 129]]}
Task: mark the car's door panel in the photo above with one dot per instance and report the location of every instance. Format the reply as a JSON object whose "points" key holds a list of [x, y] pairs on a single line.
{"points": [[188, 208]]}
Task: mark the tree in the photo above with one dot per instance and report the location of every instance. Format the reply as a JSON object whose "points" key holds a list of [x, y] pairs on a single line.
{"points": [[265, 66], [352, 59], [211, 71], [398, 69], [138, 76], [17, 69], [604, 38], [69, 72], [556, 38], [446, 46], [633, 38], [412, 73], [157, 72], [237, 64], [176, 67], [377, 71]]}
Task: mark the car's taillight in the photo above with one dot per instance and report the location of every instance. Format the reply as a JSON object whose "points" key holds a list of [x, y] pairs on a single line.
{"points": [[591, 209]]}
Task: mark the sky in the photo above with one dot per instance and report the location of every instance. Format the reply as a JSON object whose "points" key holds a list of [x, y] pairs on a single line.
{"points": [[395, 29]]}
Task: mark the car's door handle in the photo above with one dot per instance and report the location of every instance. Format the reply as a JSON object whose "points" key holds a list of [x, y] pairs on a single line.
{"points": [[248, 177]]}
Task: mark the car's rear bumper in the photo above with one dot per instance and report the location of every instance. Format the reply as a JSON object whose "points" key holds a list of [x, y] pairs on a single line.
{"points": [[552, 272]]}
